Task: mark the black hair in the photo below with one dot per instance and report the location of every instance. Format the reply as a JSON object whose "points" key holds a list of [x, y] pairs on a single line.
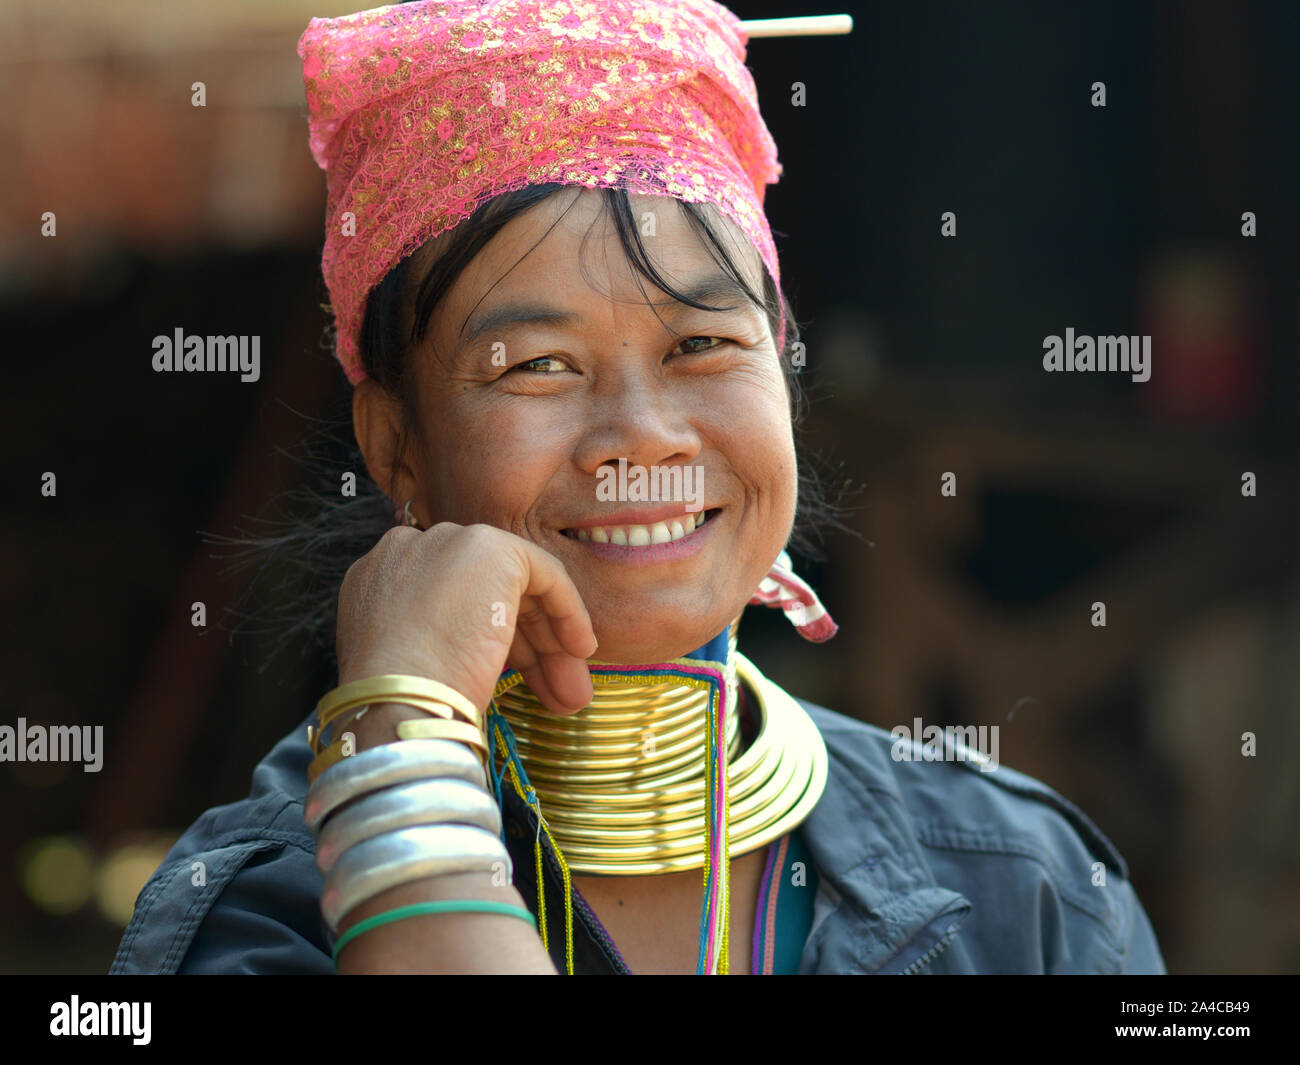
{"points": [[319, 544]]}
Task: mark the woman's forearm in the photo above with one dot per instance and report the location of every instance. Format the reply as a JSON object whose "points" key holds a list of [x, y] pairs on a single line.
{"points": [[444, 943]]}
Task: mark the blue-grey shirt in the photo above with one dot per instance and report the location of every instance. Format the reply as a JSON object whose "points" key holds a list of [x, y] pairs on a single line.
{"points": [[923, 867]]}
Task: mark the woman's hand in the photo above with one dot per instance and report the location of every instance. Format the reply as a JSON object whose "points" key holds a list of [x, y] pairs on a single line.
{"points": [[461, 603], [457, 604]]}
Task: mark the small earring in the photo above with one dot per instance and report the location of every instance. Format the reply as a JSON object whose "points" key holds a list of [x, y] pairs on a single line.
{"points": [[407, 516]]}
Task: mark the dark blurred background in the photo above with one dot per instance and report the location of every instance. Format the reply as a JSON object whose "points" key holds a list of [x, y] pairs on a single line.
{"points": [[924, 357]]}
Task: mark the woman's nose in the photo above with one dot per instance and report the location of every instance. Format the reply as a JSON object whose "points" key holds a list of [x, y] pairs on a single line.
{"points": [[642, 421]]}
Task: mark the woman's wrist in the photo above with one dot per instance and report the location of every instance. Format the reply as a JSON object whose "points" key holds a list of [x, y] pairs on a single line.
{"points": [[459, 944], [446, 673], [354, 891], [379, 724], [376, 723]]}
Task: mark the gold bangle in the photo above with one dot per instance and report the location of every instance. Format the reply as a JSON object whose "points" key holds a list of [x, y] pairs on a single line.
{"points": [[385, 688], [316, 732], [418, 702], [428, 729], [415, 729], [328, 757], [425, 729]]}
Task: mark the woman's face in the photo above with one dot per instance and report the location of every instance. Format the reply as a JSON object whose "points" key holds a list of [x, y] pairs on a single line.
{"points": [[562, 369]]}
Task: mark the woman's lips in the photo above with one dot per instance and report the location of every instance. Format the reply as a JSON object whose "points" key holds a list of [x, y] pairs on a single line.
{"points": [[678, 537]]}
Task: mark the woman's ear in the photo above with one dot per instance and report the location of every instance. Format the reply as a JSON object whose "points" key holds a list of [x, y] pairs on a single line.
{"points": [[377, 422]]}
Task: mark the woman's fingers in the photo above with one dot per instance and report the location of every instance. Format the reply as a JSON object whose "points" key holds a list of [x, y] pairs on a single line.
{"points": [[553, 636], [567, 624], [561, 681], [570, 680]]}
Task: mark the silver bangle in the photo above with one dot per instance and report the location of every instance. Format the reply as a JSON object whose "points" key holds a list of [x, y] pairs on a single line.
{"points": [[424, 802], [388, 764], [396, 858]]}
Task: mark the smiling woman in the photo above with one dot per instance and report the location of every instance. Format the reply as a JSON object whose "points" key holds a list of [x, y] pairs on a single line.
{"points": [[506, 412], [545, 751]]}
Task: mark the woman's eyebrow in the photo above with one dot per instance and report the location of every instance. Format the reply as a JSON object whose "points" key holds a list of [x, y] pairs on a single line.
{"points": [[712, 289], [507, 314]]}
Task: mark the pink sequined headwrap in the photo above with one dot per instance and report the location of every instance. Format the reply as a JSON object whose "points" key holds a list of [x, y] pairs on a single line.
{"points": [[421, 112]]}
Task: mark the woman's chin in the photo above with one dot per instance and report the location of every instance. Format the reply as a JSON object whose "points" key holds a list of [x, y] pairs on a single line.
{"points": [[641, 644]]}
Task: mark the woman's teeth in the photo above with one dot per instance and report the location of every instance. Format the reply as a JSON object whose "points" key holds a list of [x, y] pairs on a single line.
{"points": [[661, 532]]}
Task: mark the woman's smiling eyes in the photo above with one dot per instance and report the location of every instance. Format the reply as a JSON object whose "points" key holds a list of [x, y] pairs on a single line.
{"points": [[721, 342], [559, 364], [541, 358]]}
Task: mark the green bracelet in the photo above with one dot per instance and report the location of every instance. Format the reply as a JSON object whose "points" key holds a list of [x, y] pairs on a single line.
{"points": [[453, 906]]}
